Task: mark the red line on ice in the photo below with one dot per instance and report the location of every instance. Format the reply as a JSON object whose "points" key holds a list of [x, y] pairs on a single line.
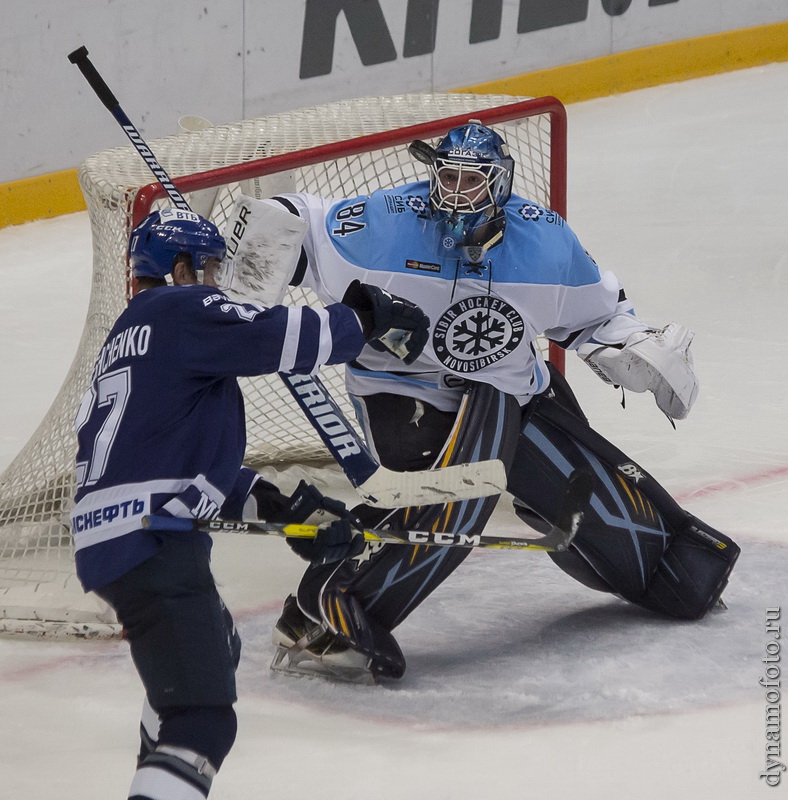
{"points": [[733, 484]]}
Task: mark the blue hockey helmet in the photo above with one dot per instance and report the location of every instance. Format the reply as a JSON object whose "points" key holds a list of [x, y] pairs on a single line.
{"points": [[472, 170], [471, 175], [162, 235]]}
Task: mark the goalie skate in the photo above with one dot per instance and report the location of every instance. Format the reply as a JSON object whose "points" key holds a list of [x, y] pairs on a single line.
{"points": [[308, 649]]}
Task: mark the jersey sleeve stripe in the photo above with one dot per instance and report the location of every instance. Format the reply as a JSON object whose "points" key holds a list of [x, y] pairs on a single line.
{"points": [[291, 341], [326, 343]]}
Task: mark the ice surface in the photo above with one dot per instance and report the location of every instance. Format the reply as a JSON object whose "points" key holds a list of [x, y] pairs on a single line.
{"points": [[521, 683]]}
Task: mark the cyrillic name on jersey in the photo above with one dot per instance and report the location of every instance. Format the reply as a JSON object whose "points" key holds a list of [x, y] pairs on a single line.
{"points": [[131, 342]]}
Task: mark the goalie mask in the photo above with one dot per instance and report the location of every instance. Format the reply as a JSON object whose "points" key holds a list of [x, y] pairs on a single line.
{"points": [[164, 234], [471, 175]]}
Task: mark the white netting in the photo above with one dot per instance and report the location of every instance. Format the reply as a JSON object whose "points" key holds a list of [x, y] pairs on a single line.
{"points": [[36, 562]]}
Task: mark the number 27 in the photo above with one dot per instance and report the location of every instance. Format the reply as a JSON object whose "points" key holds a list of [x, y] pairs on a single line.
{"points": [[114, 389]]}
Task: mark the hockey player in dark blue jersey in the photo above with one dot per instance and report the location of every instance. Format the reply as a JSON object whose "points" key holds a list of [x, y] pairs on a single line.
{"points": [[161, 429], [493, 271]]}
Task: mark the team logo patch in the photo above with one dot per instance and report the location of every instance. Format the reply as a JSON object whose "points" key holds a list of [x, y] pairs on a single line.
{"points": [[448, 242], [476, 332], [424, 266], [415, 203], [533, 213], [474, 254], [530, 212]]}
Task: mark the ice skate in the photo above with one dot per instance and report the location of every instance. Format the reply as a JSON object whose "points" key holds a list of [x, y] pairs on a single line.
{"points": [[308, 649]]}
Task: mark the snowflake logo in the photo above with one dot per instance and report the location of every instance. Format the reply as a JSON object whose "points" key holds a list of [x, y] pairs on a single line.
{"points": [[417, 204], [475, 333], [530, 212]]}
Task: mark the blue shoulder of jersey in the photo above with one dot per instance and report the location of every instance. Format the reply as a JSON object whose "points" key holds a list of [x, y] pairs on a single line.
{"points": [[368, 231], [391, 229], [540, 239]]}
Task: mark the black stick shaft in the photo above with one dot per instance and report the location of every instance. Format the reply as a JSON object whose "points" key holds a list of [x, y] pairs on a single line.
{"points": [[104, 93]]}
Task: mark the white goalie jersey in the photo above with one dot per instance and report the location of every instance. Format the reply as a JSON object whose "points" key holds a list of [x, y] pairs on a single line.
{"points": [[485, 316]]}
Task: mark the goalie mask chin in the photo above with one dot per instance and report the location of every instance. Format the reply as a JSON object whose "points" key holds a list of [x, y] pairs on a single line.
{"points": [[475, 233]]}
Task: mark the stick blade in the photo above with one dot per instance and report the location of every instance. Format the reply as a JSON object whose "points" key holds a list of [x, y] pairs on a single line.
{"points": [[389, 489]]}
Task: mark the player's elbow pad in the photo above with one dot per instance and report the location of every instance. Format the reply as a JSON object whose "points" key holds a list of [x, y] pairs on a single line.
{"points": [[655, 361]]}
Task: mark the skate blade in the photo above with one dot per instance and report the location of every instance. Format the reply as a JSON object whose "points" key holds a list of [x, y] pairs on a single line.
{"points": [[719, 605], [303, 664]]}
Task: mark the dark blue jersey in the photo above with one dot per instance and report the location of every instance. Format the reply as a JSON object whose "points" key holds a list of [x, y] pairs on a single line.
{"points": [[161, 427]]}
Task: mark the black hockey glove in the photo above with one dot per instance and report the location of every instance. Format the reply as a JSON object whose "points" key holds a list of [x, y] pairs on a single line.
{"points": [[273, 506], [335, 541], [391, 324]]}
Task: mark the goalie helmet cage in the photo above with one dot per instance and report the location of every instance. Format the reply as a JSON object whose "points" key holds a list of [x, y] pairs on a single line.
{"points": [[341, 149]]}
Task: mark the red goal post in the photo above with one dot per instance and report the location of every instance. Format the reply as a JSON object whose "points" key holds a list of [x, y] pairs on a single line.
{"points": [[341, 149]]}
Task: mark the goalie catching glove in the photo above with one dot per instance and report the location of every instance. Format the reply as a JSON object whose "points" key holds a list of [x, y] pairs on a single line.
{"points": [[335, 540], [655, 361], [390, 324]]}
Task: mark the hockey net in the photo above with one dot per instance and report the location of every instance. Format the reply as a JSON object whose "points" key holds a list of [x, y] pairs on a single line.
{"points": [[341, 149]]}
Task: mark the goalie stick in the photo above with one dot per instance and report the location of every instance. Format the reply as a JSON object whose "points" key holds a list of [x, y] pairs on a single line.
{"points": [[376, 484], [555, 540]]}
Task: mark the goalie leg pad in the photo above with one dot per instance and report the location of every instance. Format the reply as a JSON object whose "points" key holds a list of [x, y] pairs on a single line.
{"points": [[693, 572], [622, 536], [573, 564], [387, 582], [391, 581], [635, 540]]}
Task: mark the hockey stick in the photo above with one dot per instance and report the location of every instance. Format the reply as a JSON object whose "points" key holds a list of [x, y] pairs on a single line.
{"points": [[556, 540], [104, 93], [376, 484]]}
